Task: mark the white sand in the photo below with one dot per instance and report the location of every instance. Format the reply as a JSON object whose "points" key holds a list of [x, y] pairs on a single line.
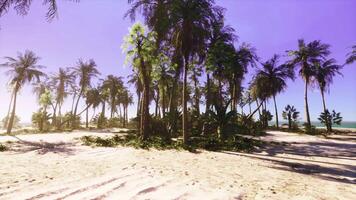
{"points": [[306, 167]]}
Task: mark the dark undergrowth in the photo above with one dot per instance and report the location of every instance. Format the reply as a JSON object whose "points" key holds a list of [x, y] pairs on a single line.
{"points": [[237, 143], [3, 147]]}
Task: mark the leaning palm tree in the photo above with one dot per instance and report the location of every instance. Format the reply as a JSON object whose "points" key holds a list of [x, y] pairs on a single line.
{"points": [[304, 58], [351, 57], [85, 71], [274, 76], [325, 72], [22, 69]]}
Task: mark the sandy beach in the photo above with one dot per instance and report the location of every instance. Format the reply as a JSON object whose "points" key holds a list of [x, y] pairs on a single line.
{"points": [[57, 166]]}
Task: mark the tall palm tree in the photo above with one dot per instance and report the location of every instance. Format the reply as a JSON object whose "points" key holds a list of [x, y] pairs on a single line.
{"points": [[140, 46], [304, 58], [325, 72], [22, 69], [351, 57], [85, 71], [190, 24], [274, 76]]}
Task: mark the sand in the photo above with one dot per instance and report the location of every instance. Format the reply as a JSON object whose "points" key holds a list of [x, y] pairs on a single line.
{"points": [[57, 166]]}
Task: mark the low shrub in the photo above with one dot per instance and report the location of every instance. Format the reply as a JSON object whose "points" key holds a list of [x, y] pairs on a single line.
{"points": [[236, 143], [3, 147]]}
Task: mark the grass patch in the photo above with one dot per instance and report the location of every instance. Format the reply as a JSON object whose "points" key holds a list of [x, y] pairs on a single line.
{"points": [[238, 143], [3, 147]]}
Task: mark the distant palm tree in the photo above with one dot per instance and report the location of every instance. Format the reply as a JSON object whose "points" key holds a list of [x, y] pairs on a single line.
{"points": [[291, 114], [325, 72], [93, 99], [274, 76], [304, 58], [23, 69], [85, 71], [114, 85], [351, 57], [61, 82]]}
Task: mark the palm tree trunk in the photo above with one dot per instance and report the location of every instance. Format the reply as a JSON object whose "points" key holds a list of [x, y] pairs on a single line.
{"points": [[12, 117], [328, 126], [77, 103], [138, 104], [185, 113], [87, 118], [8, 111], [208, 91], [146, 101], [275, 108], [163, 103], [307, 115]]}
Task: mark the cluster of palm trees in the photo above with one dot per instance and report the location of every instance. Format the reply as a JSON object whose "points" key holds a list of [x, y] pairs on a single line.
{"points": [[181, 41], [54, 89]]}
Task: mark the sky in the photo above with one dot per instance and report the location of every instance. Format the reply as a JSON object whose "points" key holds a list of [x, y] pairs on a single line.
{"points": [[96, 28]]}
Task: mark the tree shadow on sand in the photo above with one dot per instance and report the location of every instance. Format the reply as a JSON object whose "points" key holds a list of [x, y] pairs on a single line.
{"points": [[344, 174], [23, 146], [328, 170]]}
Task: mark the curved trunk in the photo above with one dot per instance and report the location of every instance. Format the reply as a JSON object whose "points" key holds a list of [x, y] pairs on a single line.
{"points": [[275, 108], [87, 119], [8, 111], [307, 115], [12, 117]]}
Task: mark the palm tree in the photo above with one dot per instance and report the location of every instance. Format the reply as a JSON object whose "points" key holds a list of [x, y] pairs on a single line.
{"points": [[92, 98], [140, 47], [134, 79], [274, 76], [22, 7], [61, 82], [304, 58], [325, 72], [23, 69], [114, 85], [351, 57], [190, 24], [85, 71], [291, 114]]}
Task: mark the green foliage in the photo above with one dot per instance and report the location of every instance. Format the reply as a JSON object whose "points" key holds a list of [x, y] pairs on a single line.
{"points": [[266, 116], [41, 119], [114, 122], [212, 143], [248, 126], [3, 147], [101, 121], [291, 114], [16, 123], [310, 129], [328, 119]]}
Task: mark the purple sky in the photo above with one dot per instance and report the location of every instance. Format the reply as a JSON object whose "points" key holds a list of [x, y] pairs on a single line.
{"points": [[95, 29]]}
